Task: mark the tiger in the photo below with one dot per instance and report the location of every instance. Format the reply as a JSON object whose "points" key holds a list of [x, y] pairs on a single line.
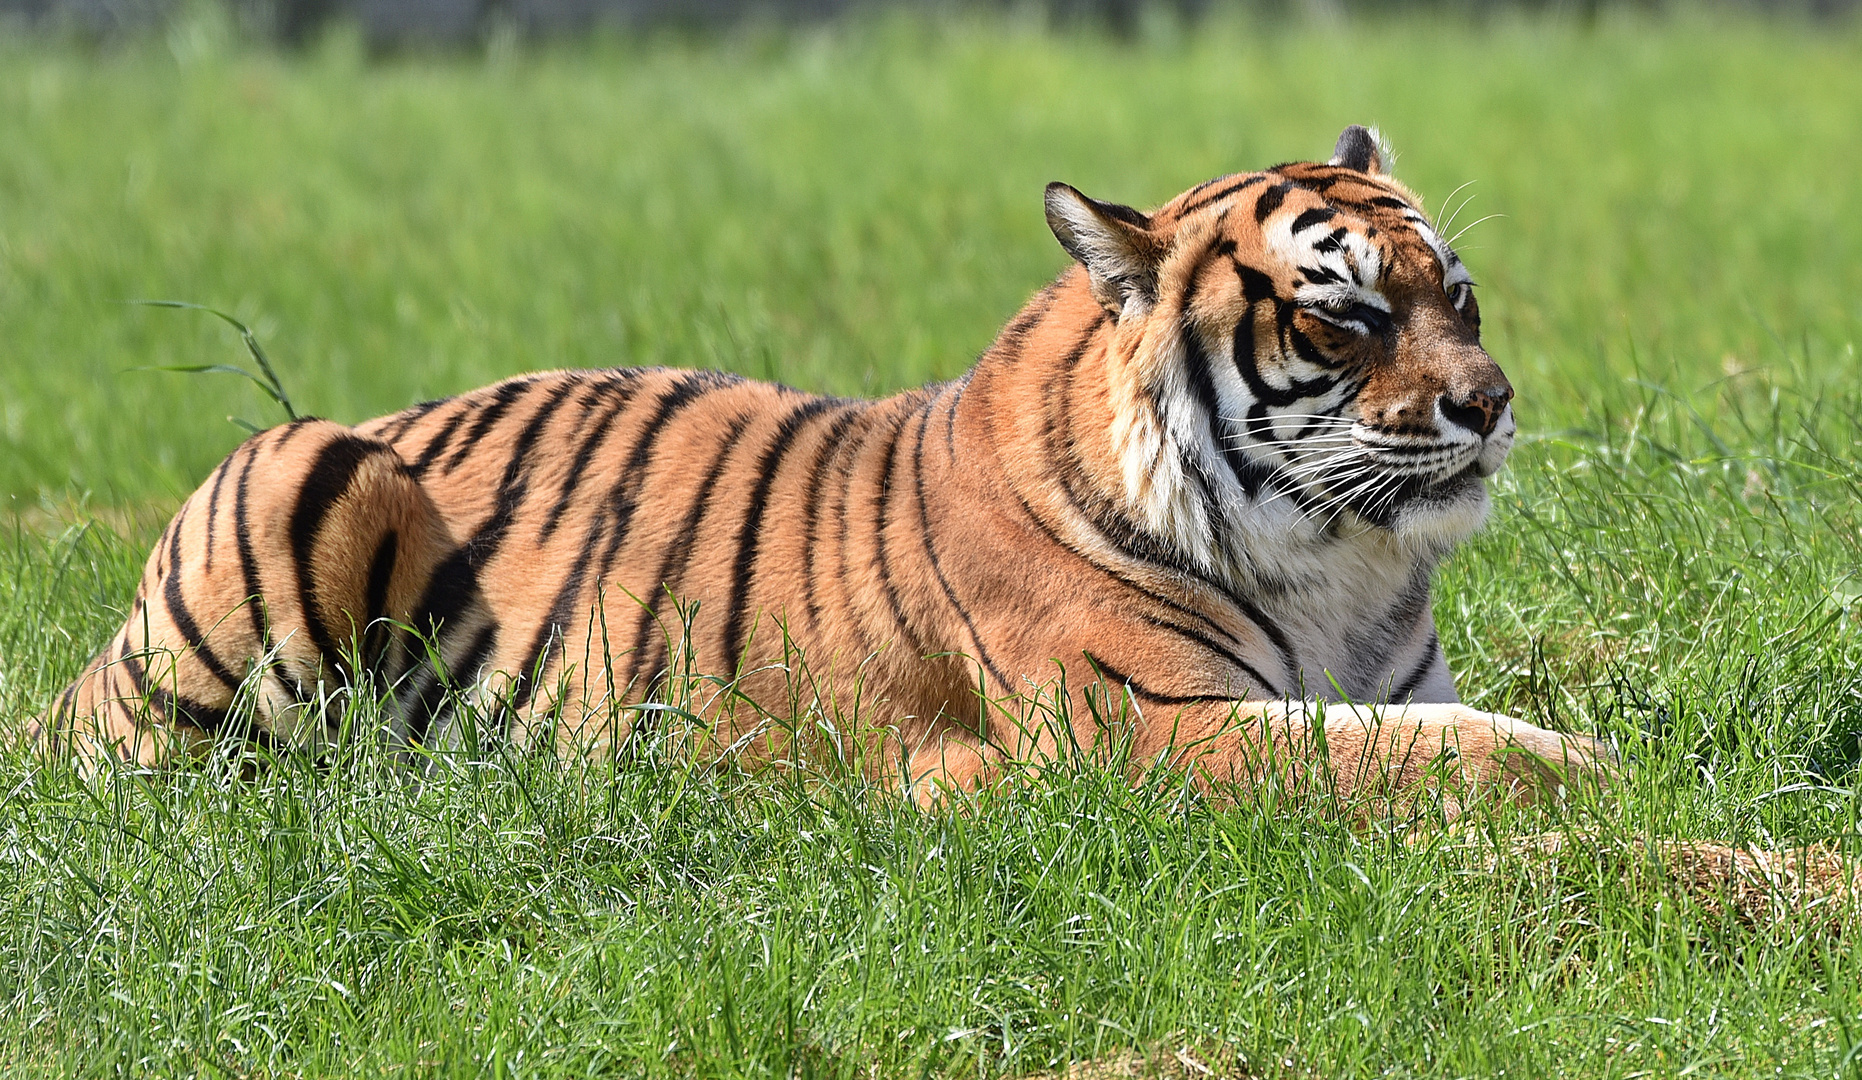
{"points": [[1192, 497]]}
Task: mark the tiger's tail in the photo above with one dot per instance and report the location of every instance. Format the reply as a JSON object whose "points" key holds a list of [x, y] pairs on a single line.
{"points": [[306, 553]]}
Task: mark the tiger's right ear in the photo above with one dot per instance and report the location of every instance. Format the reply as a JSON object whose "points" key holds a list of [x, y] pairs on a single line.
{"points": [[1363, 149], [1113, 242]]}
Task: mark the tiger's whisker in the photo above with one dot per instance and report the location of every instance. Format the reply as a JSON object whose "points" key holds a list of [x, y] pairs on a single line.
{"points": [[1351, 470], [1470, 225], [1451, 198], [1350, 474]]}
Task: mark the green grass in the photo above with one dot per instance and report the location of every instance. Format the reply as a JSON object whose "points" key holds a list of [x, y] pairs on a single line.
{"points": [[1676, 291]]}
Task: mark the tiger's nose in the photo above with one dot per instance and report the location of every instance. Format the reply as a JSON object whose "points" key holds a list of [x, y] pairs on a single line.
{"points": [[1479, 410]]}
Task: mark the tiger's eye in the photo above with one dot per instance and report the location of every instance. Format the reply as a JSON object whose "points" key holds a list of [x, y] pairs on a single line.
{"points": [[1375, 319]]}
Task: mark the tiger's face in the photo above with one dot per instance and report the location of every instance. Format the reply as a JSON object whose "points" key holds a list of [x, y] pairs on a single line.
{"points": [[1325, 333]]}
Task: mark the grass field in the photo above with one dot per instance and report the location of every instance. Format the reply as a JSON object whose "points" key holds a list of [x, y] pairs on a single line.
{"points": [[1675, 288]]}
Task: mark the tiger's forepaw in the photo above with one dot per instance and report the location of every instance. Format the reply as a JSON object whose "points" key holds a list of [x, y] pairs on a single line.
{"points": [[1462, 753], [1524, 762]]}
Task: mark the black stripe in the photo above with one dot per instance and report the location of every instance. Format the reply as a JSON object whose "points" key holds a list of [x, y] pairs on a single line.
{"points": [[1317, 182], [1155, 552], [213, 508], [454, 585], [439, 698], [529, 674], [286, 432], [1262, 683], [1109, 521], [163, 545], [1267, 627], [950, 416], [420, 705], [437, 444], [1270, 201], [1217, 246], [1304, 348], [175, 707], [1244, 352], [1116, 573], [1113, 675], [882, 508], [1298, 389], [381, 571], [583, 455], [937, 567], [841, 526], [465, 671], [1256, 286], [1250, 474], [1414, 679], [126, 661], [749, 537], [1318, 215], [248, 563], [328, 480], [1105, 516], [503, 397], [407, 418], [600, 390], [811, 506], [679, 551], [170, 705], [514, 482], [375, 632], [1008, 344], [556, 622], [451, 590], [1198, 204], [1206, 185], [183, 618], [1243, 469], [623, 498]]}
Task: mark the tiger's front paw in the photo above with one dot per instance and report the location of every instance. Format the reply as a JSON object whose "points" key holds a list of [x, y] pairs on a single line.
{"points": [[1522, 761], [1460, 752]]}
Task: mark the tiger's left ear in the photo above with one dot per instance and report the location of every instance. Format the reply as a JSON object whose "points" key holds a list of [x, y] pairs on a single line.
{"points": [[1113, 242], [1363, 149]]}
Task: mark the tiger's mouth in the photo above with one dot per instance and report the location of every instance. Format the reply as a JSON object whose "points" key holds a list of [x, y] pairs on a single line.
{"points": [[1412, 494], [1409, 486], [1342, 473]]}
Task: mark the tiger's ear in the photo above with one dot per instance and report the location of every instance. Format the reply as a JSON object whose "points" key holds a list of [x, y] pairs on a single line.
{"points": [[1363, 149], [1113, 242]]}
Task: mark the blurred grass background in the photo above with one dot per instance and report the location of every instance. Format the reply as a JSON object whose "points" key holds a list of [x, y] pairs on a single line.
{"points": [[1675, 288]]}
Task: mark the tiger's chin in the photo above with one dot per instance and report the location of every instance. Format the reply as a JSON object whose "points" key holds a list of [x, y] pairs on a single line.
{"points": [[1436, 518]]}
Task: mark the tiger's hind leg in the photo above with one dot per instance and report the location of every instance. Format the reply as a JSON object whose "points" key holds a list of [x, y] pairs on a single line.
{"points": [[296, 557]]}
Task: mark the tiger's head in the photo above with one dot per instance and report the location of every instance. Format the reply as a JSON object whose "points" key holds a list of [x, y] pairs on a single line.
{"points": [[1309, 349]]}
